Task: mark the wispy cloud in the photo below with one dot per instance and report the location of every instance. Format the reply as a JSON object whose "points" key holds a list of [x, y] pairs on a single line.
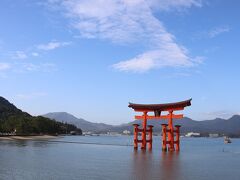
{"points": [[37, 67], [52, 45], [35, 51], [217, 31], [156, 59], [35, 54], [31, 95], [4, 66], [211, 33], [19, 55], [169, 5], [26, 67], [124, 21]]}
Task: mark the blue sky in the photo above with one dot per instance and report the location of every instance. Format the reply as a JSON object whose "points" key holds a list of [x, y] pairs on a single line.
{"points": [[91, 57]]}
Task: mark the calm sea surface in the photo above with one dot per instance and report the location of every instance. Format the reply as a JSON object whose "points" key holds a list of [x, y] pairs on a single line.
{"points": [[199, 159]]}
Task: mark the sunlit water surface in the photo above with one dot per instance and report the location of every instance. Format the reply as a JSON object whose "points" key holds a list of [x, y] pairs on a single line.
{"points": [[199, 159]]}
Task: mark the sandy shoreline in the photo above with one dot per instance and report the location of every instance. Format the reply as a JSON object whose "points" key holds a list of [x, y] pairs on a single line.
{"points": [[42, 137]]}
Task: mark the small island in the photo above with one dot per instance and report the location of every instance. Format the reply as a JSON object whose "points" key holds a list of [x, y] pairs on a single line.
{"points": [[15, 122]]}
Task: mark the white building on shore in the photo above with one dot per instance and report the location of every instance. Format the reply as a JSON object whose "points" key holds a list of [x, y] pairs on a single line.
{"points": [[192, 134], [126, 132]]}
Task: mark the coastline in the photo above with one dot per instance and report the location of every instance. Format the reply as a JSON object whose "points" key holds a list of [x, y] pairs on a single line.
{"points": [[38, 137]]}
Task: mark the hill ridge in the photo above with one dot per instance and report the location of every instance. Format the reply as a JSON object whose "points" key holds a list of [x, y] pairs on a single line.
{"points": [[79, 122], [15, 121], [217, 125]]}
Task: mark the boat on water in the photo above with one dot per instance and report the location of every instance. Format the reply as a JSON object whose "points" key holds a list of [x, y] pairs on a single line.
{"points": [[227, 140]]}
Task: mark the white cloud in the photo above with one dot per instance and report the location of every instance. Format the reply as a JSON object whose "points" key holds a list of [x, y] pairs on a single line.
{"points": [[211, 33], [24, 67], [32, 67], [218, 30], [155, 59], [174, 4], [31, 95], [52, 45], [131, 21], [19, 55], [35, 54], [34, 51], [4, 66]]}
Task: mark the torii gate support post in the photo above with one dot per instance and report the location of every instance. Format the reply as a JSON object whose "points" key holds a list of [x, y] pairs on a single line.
{"points": [[177, 142], [171, 131], [150, 127], [135, 136], [164, 137], [144, 130]]}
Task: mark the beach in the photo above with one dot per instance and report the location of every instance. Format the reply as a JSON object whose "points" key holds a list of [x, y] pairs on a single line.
{"points": [[39, 137]]}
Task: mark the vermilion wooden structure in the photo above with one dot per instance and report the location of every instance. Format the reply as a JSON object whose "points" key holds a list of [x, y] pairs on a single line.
{"points": [[168, 130]]}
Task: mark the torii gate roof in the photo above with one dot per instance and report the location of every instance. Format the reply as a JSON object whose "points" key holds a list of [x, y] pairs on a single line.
{"points": [[160, 107]]}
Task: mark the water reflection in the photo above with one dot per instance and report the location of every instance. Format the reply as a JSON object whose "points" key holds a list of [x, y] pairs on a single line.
{"points": [[25, 143], [142, 164], [18, 143], [169, 164], [42, 144], [156, 165]]}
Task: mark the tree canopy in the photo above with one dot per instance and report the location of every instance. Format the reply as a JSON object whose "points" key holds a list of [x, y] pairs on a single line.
{"points": [[13, 119]]}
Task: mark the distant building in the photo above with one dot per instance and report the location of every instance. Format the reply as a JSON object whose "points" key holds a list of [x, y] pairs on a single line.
{"points": [[192, 134], [213, 135], [126, 132], [113, 133], [87, 133]]}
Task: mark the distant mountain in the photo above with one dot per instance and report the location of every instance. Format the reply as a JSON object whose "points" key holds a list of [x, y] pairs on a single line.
{"points": [[230, 126], [15, 121], [79, 122], [156, 123]]}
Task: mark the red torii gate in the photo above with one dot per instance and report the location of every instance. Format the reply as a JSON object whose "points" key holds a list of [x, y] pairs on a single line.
{"points": [[167, 129]]}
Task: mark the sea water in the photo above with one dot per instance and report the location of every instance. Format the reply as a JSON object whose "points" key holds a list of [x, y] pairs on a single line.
{"points": [[113, 158]]}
